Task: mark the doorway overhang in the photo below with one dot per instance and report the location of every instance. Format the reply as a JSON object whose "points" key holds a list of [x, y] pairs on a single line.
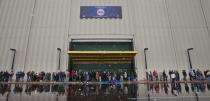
{"points": [[102, 55]]}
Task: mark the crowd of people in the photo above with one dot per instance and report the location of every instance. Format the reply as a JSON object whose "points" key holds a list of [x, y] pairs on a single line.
{"points": [[6, 76], [72, 75], [20, 75], [59, 76], [100, 76], [42, 76], [174, 75]]}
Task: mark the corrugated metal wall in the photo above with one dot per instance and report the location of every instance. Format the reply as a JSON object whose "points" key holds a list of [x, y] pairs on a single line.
{"points": [[168, 28], [36, 28], [189, 30], [15, 18], [49, 31], [152, 30]]}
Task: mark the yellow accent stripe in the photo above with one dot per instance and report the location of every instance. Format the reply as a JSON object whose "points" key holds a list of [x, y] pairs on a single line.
{"points": [[102, 52], [109, 59]]}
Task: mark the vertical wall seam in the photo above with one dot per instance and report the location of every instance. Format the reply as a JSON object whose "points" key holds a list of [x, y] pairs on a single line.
{"points": [[131, 22], [29, 34], [204, 16], [68, 36], [171, 32]]}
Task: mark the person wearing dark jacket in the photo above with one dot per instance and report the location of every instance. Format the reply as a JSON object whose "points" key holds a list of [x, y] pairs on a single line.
{"points": [[184, 75]]}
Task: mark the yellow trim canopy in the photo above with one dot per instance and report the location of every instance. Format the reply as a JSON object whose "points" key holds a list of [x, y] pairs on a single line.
{"points": [[102, 52], [102, 55]]}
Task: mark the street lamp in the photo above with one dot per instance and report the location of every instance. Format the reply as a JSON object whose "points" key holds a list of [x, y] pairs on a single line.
{"points": [[59, 58], [145, 58], [13, 59], [188, 53]]}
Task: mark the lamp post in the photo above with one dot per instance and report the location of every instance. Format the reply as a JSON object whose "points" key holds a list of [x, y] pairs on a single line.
{"points": [[59, 58], [145, 58], [13, 59], [188, 53]]}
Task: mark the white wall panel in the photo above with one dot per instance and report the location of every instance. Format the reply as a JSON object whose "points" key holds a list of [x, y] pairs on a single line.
{"points": [[49, 32], [206, 11], [15, 16], [189, 30], [152, 30]]}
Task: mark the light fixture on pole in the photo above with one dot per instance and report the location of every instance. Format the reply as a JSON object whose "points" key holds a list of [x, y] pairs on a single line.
{"points": [[188, 53], [13, 59], [59, 58], [145, 58]]}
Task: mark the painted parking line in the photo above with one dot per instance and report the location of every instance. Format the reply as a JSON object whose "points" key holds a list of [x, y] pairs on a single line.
{"points": [[175, 97]]}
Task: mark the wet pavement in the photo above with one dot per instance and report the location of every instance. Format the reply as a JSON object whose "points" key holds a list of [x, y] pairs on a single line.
{"points": [[105, 92]]}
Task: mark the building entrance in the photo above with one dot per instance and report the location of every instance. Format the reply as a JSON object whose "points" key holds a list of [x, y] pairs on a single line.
{"points": [[113, 57]]}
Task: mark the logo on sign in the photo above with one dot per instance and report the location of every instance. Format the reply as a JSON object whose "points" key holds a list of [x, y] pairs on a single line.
{"points": [[100, 12]]}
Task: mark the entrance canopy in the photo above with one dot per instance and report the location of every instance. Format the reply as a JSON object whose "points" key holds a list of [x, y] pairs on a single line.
{"points": [[104, 56]]}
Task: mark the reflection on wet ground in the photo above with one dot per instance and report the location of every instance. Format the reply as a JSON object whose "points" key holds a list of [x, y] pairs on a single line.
{"points": [[106, 92]]}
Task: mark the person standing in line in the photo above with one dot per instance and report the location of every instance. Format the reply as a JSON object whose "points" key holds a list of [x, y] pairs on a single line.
{"points": [[82, 76], [11, 75], [164, 76], [208, 75], [67, 75], [184, 75], [155, 75], [28, 76], [125, 76], [173, 77], [170, 72], [177, 75], [192, 74], [22, 76], [121, 78], [100, 78], [205, 73], [150, 76], [114, 77], [72, 75], [97, 76], [53, 76], [88, 76], [76, 75], [118, 76], [109, 76]]}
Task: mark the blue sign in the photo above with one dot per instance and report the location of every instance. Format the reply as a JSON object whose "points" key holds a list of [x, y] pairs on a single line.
{"points": [[100, 12]]}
